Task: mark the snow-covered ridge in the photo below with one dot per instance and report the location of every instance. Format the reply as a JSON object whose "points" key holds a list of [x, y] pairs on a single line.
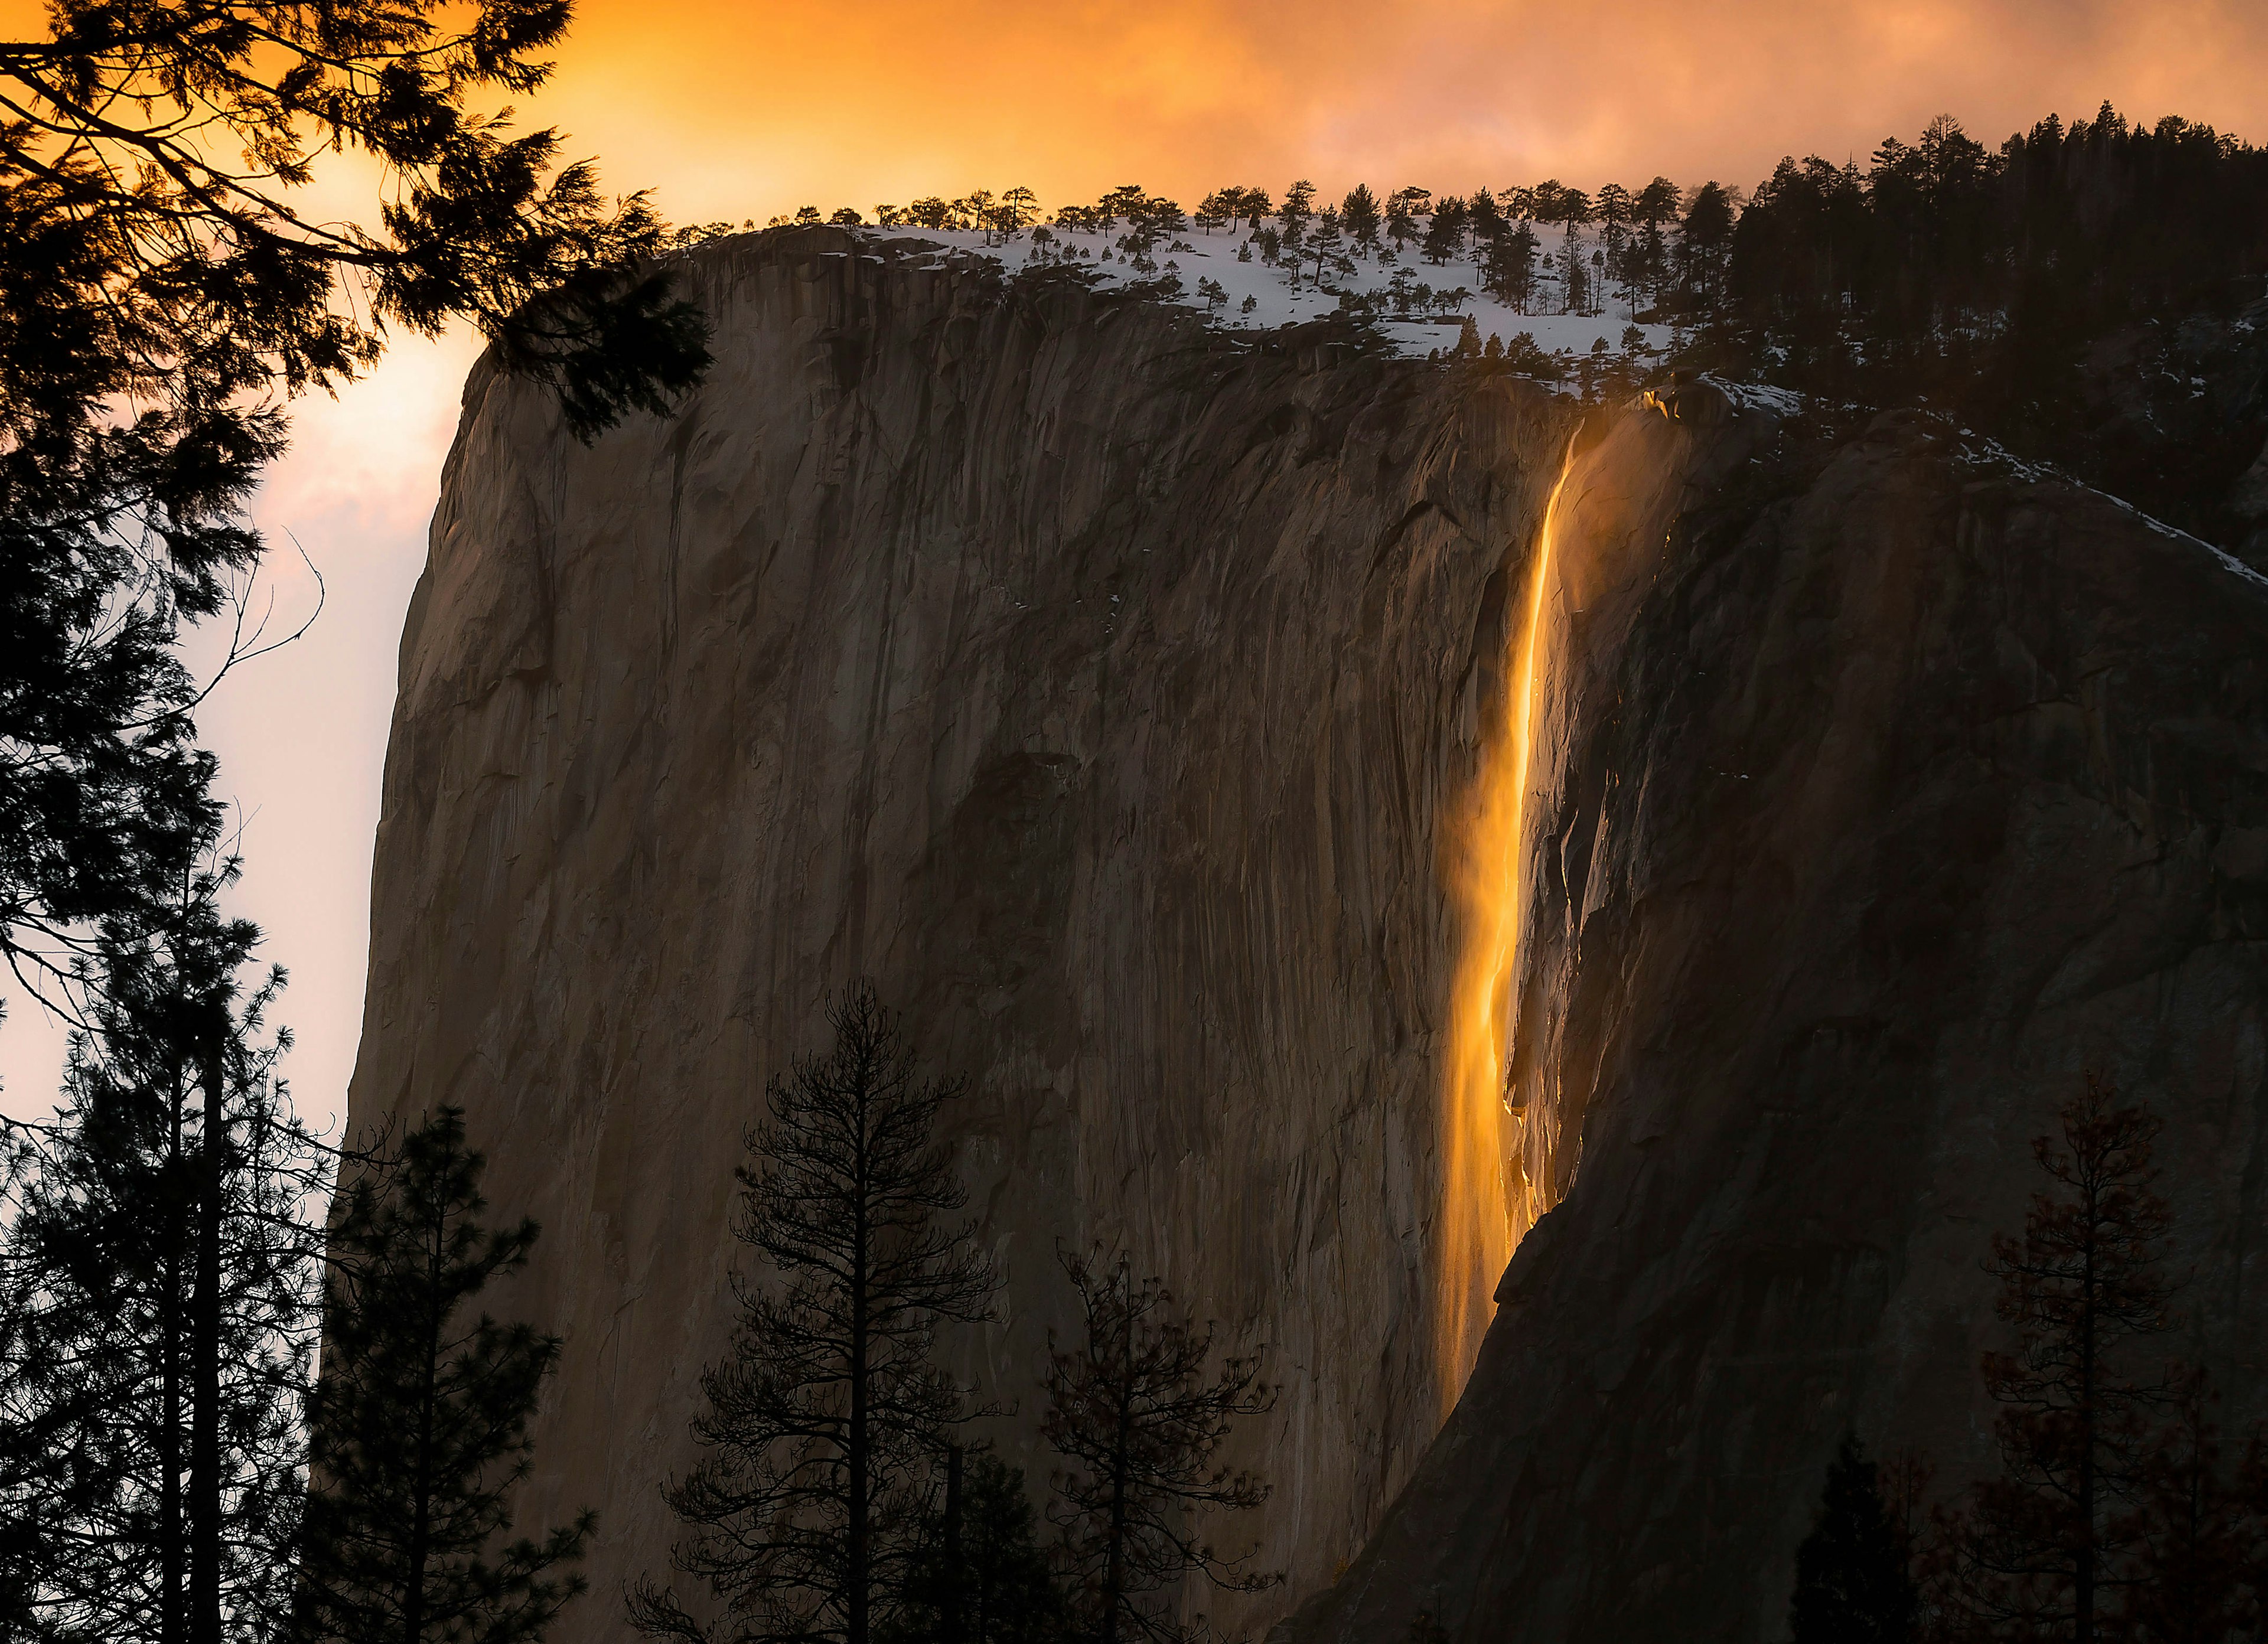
{"points": [[1257, 296]]}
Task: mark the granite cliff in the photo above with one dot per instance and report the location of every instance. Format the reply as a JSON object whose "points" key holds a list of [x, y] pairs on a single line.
{"points": [[1115, 694]]}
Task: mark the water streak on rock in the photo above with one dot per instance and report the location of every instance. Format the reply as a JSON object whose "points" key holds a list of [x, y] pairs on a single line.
{"points": [[1489, 1201]]}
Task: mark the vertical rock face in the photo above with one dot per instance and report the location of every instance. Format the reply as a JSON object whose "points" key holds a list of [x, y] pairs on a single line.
{"points": [[1874, 816], [1096, 690], [1109, 696]]}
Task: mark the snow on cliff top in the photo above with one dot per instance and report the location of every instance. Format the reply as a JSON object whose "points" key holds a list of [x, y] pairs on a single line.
{"points": [[1275, 300]]}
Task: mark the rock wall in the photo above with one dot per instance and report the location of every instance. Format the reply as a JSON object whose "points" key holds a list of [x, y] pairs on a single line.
{"points": [[1886, 797], [1107, 693], [1096, 687]]}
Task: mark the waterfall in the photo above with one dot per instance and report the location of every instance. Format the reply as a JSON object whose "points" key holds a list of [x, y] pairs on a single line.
{"points": [[1488, 1202]]}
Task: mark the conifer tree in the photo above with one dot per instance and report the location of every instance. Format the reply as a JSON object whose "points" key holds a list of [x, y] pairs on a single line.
{"points": [[2192, 1579], [1573, 206], [1445, 233], [1704, 243], [169, 286], [1654, 205], [1299, 208], [419, 1424], [980, 1576], [1359, 213], [1324, 247], [1854, 1580], [1402, 208], [2046, 1544], [1614, 205], [155, 1267], [1511, 269], [823, 1423], [1139, 1426], [1019, 209]]}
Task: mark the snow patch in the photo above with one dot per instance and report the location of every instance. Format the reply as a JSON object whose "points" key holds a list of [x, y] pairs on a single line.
{"points": [[1257, 296]]}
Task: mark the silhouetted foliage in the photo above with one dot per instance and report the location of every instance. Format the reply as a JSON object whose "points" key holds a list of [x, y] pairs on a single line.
{"points": [[163, 288], [2105, 1517], [822, 1425], [1853, 1581], [979, 1575], [1140, 1424], [418, 1425], [157, 1253], [2046, 291]]}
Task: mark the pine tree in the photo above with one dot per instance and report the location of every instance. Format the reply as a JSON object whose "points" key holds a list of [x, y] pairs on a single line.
{"points": [[1324, 247], [1704, 243], [822, 1425], [168, 289], [1654, 205], [1140, 1425], [1573, 207], [1359, 212], [1299, 208], [1853, 1581], [1402, 208], [2191, 1581], [1019, 209], [419, 1424], [1615, 206], [1445, 232], [156, 1269], [2044, 1543], [1511, 271], [980, 1576]]}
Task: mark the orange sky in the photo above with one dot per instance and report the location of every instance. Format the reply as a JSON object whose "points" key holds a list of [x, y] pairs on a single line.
{"points": [[731, 110], [735, 110]]}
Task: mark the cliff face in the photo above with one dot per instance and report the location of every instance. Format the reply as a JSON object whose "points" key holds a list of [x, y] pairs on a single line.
{"points": [[1115, 701], [1872, 818], [1095, 690]]}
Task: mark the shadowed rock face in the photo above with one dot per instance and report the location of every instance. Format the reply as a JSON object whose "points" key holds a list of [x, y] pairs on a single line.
{"points": [[1095, 689], [1877, 815], [1107, 695]]}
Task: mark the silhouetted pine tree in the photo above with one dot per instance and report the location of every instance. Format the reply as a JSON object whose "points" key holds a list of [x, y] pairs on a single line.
{"points": [[2192, 1579], [1445, 232], [1360, 213], [1402, 208], [1654, 205], [1852, 1581], [1297, 211], [980, 1576], [418, 1425], [823, 1424], [1704, 243], [1511, 269], [157, 1272], [2046, 1544], [1132, 1412]]}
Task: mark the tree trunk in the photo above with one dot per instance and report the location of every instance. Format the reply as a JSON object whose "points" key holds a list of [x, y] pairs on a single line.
{"points": [[421, 1513], [204, 1371], [172, 1531], [1114, 1576], [858, 1553], [2083, 1631], [950, 1620]]}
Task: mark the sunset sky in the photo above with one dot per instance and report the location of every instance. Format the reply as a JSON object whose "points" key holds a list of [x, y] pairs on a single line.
{"points": [[735, 111]]}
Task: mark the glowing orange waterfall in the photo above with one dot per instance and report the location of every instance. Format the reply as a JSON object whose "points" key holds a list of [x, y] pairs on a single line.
{"points": [[1487, 1202]]}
